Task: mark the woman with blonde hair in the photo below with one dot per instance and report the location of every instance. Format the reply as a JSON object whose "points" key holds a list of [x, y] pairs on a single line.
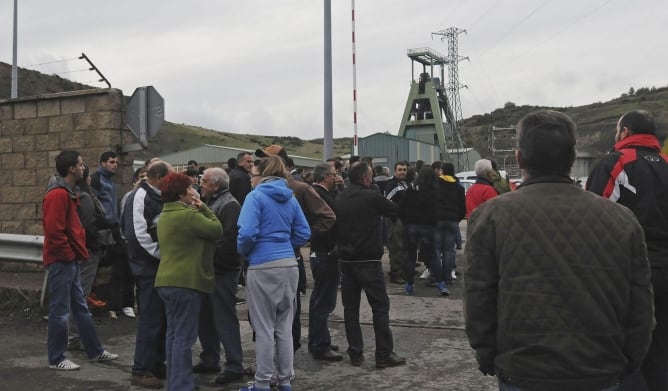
{"points": [[271, 224]]}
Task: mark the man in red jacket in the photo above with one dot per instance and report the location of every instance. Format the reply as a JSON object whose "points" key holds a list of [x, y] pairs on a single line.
{"points": [[483, 188], [64, 248]]}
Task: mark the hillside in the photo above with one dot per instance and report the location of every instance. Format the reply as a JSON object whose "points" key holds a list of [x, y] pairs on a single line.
{"points": [[179, 137], [596, 121], [34, 83]]}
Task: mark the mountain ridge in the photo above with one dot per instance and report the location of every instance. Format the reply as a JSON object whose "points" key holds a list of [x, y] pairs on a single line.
{"points": [[596, 121]]}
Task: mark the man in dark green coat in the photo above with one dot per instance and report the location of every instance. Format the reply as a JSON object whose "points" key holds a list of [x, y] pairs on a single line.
{"points": [[557, 291]]}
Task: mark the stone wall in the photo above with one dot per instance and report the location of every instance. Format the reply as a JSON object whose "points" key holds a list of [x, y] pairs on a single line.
{"points": [[34, 130]]}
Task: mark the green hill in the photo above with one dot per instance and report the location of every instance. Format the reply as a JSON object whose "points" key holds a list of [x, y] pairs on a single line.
{"points": [[596, 121]]}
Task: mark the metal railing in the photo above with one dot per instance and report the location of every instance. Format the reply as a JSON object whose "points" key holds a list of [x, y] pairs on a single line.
{"points": [[27, 248], [24, 248]]}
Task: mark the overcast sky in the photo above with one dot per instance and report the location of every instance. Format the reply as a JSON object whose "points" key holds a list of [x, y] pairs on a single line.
{"points": [[256, 66]]}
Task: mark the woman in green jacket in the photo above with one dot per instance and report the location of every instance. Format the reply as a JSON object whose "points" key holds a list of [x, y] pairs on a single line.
{"points": [[187, 233]]}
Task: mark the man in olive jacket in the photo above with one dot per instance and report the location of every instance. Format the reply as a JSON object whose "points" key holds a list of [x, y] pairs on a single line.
{"points": [[557, 291]]}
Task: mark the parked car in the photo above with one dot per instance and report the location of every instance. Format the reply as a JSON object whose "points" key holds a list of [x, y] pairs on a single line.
{"points": [[466, 175], [466, 184]]}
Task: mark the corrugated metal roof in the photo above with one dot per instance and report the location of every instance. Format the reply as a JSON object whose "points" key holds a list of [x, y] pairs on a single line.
{"points": [[208, 154]]}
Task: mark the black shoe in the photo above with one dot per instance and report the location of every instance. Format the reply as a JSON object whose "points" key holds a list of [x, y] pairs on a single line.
{"points": [[335, 348], [228, 377], [390, 361], [356, 361], [327, 355], [160, 371], [201, 368], [146, 381], [238, 300]]}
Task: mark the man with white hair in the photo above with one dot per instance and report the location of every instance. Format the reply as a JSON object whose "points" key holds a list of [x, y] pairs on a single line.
{"points": [[218, 319], [483, 188]]}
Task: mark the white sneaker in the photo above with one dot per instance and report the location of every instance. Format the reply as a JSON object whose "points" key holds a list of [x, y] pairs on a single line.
{"points": [[105, 356], [65, 365], [453, 275], [425, 274], [129, 312]]}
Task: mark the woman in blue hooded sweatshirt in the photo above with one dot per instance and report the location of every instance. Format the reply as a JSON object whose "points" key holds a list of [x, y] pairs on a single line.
{"points": [[271, 225]]}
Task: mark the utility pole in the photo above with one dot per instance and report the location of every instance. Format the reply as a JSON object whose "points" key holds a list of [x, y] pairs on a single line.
{"points": [[355, 146], [15, 73], [329, 123]]}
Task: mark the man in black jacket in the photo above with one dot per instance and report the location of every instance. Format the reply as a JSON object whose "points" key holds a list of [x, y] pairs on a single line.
{"points": [[450, 210], [557, 291], [358, 210], [394, 190], [139, 224], [240, 184], [635, 174], [325, 270], [218, 319]]}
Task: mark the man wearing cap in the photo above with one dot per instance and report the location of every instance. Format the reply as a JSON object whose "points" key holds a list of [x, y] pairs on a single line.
{"points": [[320, 217]]}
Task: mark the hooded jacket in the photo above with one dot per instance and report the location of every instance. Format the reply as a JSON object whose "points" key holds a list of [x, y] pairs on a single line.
{"points": [[271, 223], [635, 174], [64, 236], [450, 199], [106, 192]]}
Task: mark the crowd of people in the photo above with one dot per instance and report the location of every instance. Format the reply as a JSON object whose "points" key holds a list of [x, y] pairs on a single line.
{"points": [[557, 280]]}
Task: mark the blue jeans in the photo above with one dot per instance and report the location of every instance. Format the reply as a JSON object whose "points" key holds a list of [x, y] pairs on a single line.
{"points": [[182, 307], [325, 269], [151, 328], [65, 295], [367, 276], [413, 234], [509, 387], [218, 323], [444, 242]]}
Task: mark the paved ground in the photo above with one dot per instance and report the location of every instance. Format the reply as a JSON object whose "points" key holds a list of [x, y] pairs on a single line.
{"points": [[428, 331]]}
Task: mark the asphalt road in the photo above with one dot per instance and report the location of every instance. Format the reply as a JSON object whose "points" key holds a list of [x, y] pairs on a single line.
{"points": [[428, 331]]}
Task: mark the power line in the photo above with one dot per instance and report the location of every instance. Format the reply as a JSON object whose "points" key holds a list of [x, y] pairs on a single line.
{"points": [[53, 62], [483, 14], [74, 71], [576, 21], [517, 24]]}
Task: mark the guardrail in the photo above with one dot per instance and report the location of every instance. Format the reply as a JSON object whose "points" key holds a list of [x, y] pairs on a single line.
{"points": [[24, 248], [27, 248]]}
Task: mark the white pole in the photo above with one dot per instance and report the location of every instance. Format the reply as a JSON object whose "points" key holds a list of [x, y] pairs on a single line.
{"points": [[355, 146], [14, 92]]}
